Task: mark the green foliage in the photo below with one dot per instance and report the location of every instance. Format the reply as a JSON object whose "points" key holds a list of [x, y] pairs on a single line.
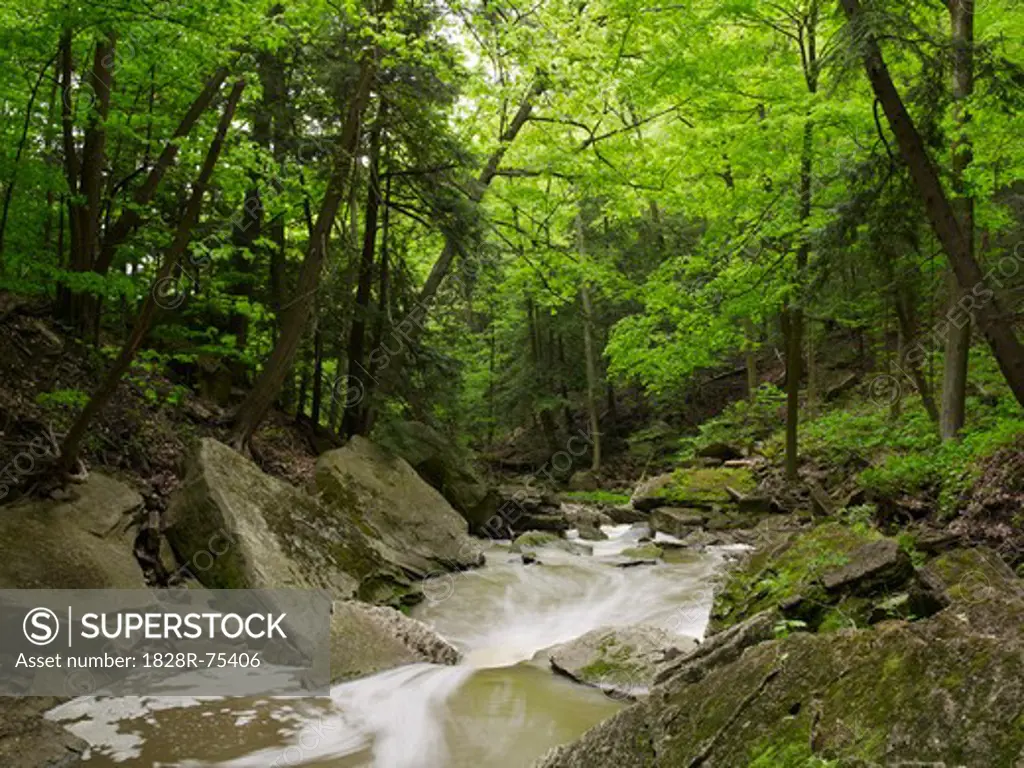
{"points": [[795, 755], [63, 399], [742, 422], [611, 498]]}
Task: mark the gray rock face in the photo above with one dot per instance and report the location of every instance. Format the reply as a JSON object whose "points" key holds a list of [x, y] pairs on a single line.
{"points": [[582, 514], [622, 660], [590, 532], [527, 508], [406, 519], [531, 541], [676, 521], [84, 543], [438, 461], [29, 741], [236, 527], [624, 513], [648, 494], [583, 480], [874, 565], [366, 639]]}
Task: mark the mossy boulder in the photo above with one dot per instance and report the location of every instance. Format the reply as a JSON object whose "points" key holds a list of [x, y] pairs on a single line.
{"points": [[790, 575], [583, 480], [366, 639], [702, 487], [677, 521], [941, 691], [621, 660], [233, 526], [406, 519], [442, 464], [85, 542], [531, 541], [647, 551]]}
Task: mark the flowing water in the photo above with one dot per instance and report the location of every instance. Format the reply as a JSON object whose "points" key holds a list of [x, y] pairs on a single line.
{"points": [[502, 707]]}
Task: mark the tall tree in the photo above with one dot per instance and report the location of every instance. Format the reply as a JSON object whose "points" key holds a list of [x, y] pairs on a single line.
{"points": [[72, 443], [986, 306], [296, 314], [958, 341]]}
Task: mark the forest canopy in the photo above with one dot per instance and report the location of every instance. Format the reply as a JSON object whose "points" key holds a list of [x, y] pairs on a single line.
{"points": [[498, 215]]}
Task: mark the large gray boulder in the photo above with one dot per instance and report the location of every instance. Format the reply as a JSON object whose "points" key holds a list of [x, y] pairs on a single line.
{"points": [[624, 661], [366, 639], [235, 527], [86, 542], [407, 520], [444, 466]]}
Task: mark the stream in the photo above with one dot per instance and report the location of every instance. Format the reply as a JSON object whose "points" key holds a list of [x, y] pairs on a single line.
{"points": [[501, 707]]}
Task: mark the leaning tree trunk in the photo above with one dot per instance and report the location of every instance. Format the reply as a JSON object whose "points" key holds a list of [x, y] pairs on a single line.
{"points": [[391, 377], [72, 443], [958, 342], [296, 315], [989, 314]]}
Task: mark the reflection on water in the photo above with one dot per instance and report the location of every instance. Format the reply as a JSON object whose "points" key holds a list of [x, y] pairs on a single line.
{"points": [[501, 708]]}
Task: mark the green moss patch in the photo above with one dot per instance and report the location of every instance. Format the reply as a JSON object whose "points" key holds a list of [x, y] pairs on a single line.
{"points": [[771, 578], [705, 486]]}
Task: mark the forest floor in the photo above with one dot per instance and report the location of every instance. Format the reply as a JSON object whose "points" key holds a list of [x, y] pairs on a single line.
{"points": [[856, 447], [142, 437]]}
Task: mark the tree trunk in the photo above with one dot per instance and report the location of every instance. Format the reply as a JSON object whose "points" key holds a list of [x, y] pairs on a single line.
{"points": [[80, 309], [906, 316], [293, 324], [589, 353], [958, 342], [993, 321], [415, 319], [383, 318], [793, 373], [318, 376], [793, 315], [71, 446], [750, 358], [130, 217], [353, 421]]}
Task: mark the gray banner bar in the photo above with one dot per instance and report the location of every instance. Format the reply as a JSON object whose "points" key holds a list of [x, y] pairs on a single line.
{"points": [[188, 642]]}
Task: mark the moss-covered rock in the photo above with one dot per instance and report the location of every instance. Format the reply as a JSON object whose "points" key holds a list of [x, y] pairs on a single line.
{"points": [[406, 519], [86, 542], [28, 740], [932, 692], [648, 551], [621, 660], [233, 526], [703, 487], [677, 521], [531, 541], [444, 466], [790, 575]]}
